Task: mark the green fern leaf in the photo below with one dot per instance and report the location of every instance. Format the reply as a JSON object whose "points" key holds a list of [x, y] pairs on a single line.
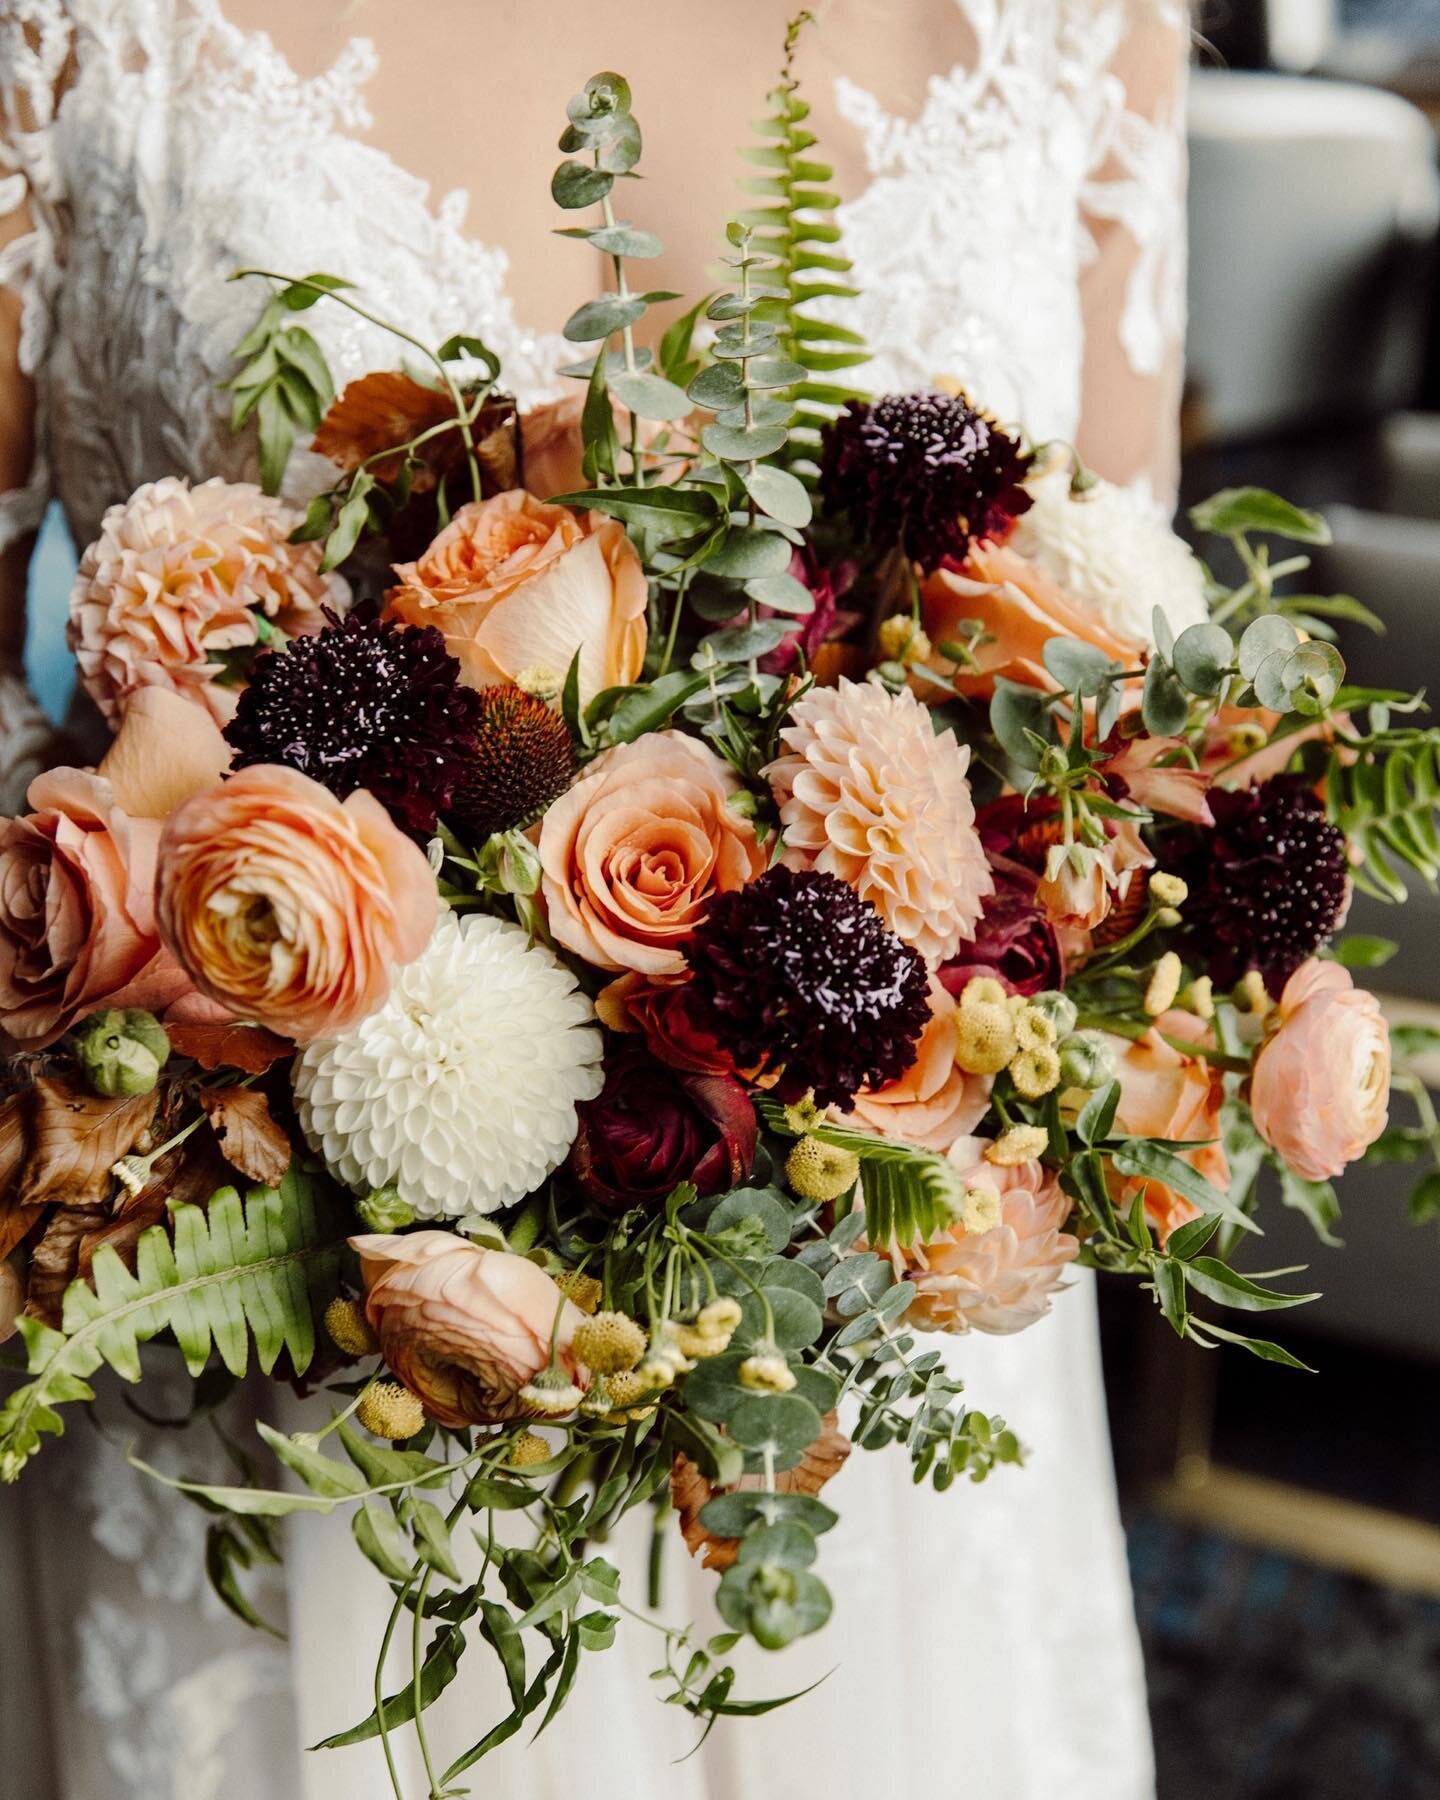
{"points": [[1387, 803], [235, 1272], [797, 231]]}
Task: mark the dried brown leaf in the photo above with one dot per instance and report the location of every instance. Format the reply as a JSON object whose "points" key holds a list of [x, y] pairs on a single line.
{"points": [[690, 1491], [190, 1172], [376, 412], [55, 1260], [247, 1134], [246, 1047], [75, 1136], [15, 1220]]}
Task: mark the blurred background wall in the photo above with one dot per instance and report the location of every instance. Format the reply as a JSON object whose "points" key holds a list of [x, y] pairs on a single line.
{"points": [[1285, 1528]]}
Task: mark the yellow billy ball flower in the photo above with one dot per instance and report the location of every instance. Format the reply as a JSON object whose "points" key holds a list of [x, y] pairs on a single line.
{"points": [[901, 640], [1250, 994], [609, 1342], [1168, 890], [528, 1448], [582, 1291], [983, 990], [766, 1374], [984, 1037], [1020, 1144], [1035, 1072], [390, 1410], [349, 1329], [1199, 998], [980, 1211], [1164, 985], [656, 1372], [819, 1171], [1033, 1030], [718, 1318]]}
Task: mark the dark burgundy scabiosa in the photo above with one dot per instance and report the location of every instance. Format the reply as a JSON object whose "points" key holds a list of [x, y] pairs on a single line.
{"points": [[1268, 886], [363, 704], [651, 1128], [522, 759], [924, 471], [797, 975], [1014, 941]]}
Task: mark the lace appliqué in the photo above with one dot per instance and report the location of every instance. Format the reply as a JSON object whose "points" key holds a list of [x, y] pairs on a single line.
{"points": [[969, 241]]}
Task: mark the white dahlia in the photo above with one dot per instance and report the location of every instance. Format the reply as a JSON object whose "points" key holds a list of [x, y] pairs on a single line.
{"points": [[461, 1091], [1112, 554], [869, 791]]}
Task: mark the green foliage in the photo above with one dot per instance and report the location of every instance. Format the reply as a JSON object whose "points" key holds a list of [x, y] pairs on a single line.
{"points": [[794, 226], [286, 382], [1386, 802], [234, 1272]]}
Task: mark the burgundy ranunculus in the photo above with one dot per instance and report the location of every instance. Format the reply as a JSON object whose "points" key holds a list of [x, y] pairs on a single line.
{"points": [[652, 1127], [1014, 941]]}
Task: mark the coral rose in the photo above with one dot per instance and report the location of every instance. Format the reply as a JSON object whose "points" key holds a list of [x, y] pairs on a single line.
{"points": [[291, 907], [651, 1128], [553, 448], [177, 577], [1320, 1087], [659, 1011], [517, 587], [464, 1328], [1166, 1094], [633, 854], [1021, 609], [77, 874], [933, 1102], [999, 1280]]}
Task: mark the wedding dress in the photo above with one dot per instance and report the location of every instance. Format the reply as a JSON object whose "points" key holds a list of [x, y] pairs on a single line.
{"points": [[983, 1640]]}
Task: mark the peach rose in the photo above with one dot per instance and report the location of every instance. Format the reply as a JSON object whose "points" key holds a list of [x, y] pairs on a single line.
{"points": [[516, 586], [289, 906], [463, 1327], [999, 1280], [552, 447], [933, 1102], [632, 854], [1022, 609], [1320, 1087], [1166, 1094], [77, 874]]}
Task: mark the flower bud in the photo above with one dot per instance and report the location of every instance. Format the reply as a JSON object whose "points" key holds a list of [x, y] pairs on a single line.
{"points": [[1058, 1008], [767, 1372], [1086, 1060], [349, 1329], [1035, 1072], [1164, 985], [552, 1392], [1168, 890], [1020, 1144], [980, 1211], [122, 1053], [983, 990], [382, 1209]]}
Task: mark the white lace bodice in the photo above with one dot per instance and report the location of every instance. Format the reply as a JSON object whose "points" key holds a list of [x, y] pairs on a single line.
{"points": [[158, 148]]}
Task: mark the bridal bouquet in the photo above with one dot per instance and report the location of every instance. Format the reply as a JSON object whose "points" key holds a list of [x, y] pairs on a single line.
{"points": [[597, 938]]}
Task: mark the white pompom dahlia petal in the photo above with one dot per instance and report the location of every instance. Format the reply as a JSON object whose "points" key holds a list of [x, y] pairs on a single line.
{"points": [[461, 1091], [1112, 554]]}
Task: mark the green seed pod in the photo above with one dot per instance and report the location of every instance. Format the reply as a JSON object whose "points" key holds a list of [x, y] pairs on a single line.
{"points": [[1058, 1008], [382, 1209], [1086, 1061], [122, 1053]]}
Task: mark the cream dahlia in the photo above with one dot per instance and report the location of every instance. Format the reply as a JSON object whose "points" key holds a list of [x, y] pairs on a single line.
{"points": [[461, 1090], [869, 791], [1112, 555], [999, 1280], [179, 575]]}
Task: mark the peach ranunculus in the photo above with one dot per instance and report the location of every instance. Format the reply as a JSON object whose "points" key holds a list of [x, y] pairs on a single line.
{"points": [[77, 874], [933, 1102], [291, 907], [633, 853], [1021, 609], [180, 575], [1165, 1093], [463, 1327], [1320, 1086], [998, 1280], [517, 587]]}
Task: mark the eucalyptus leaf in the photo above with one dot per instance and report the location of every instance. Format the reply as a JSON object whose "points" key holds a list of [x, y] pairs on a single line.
{"points": [[748, 552], [742, 443], [1202, 657], [783, 593], [1263, 638], [599, 318], [650, 396], [1164, 705], [782, 495], [577, 184]]}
